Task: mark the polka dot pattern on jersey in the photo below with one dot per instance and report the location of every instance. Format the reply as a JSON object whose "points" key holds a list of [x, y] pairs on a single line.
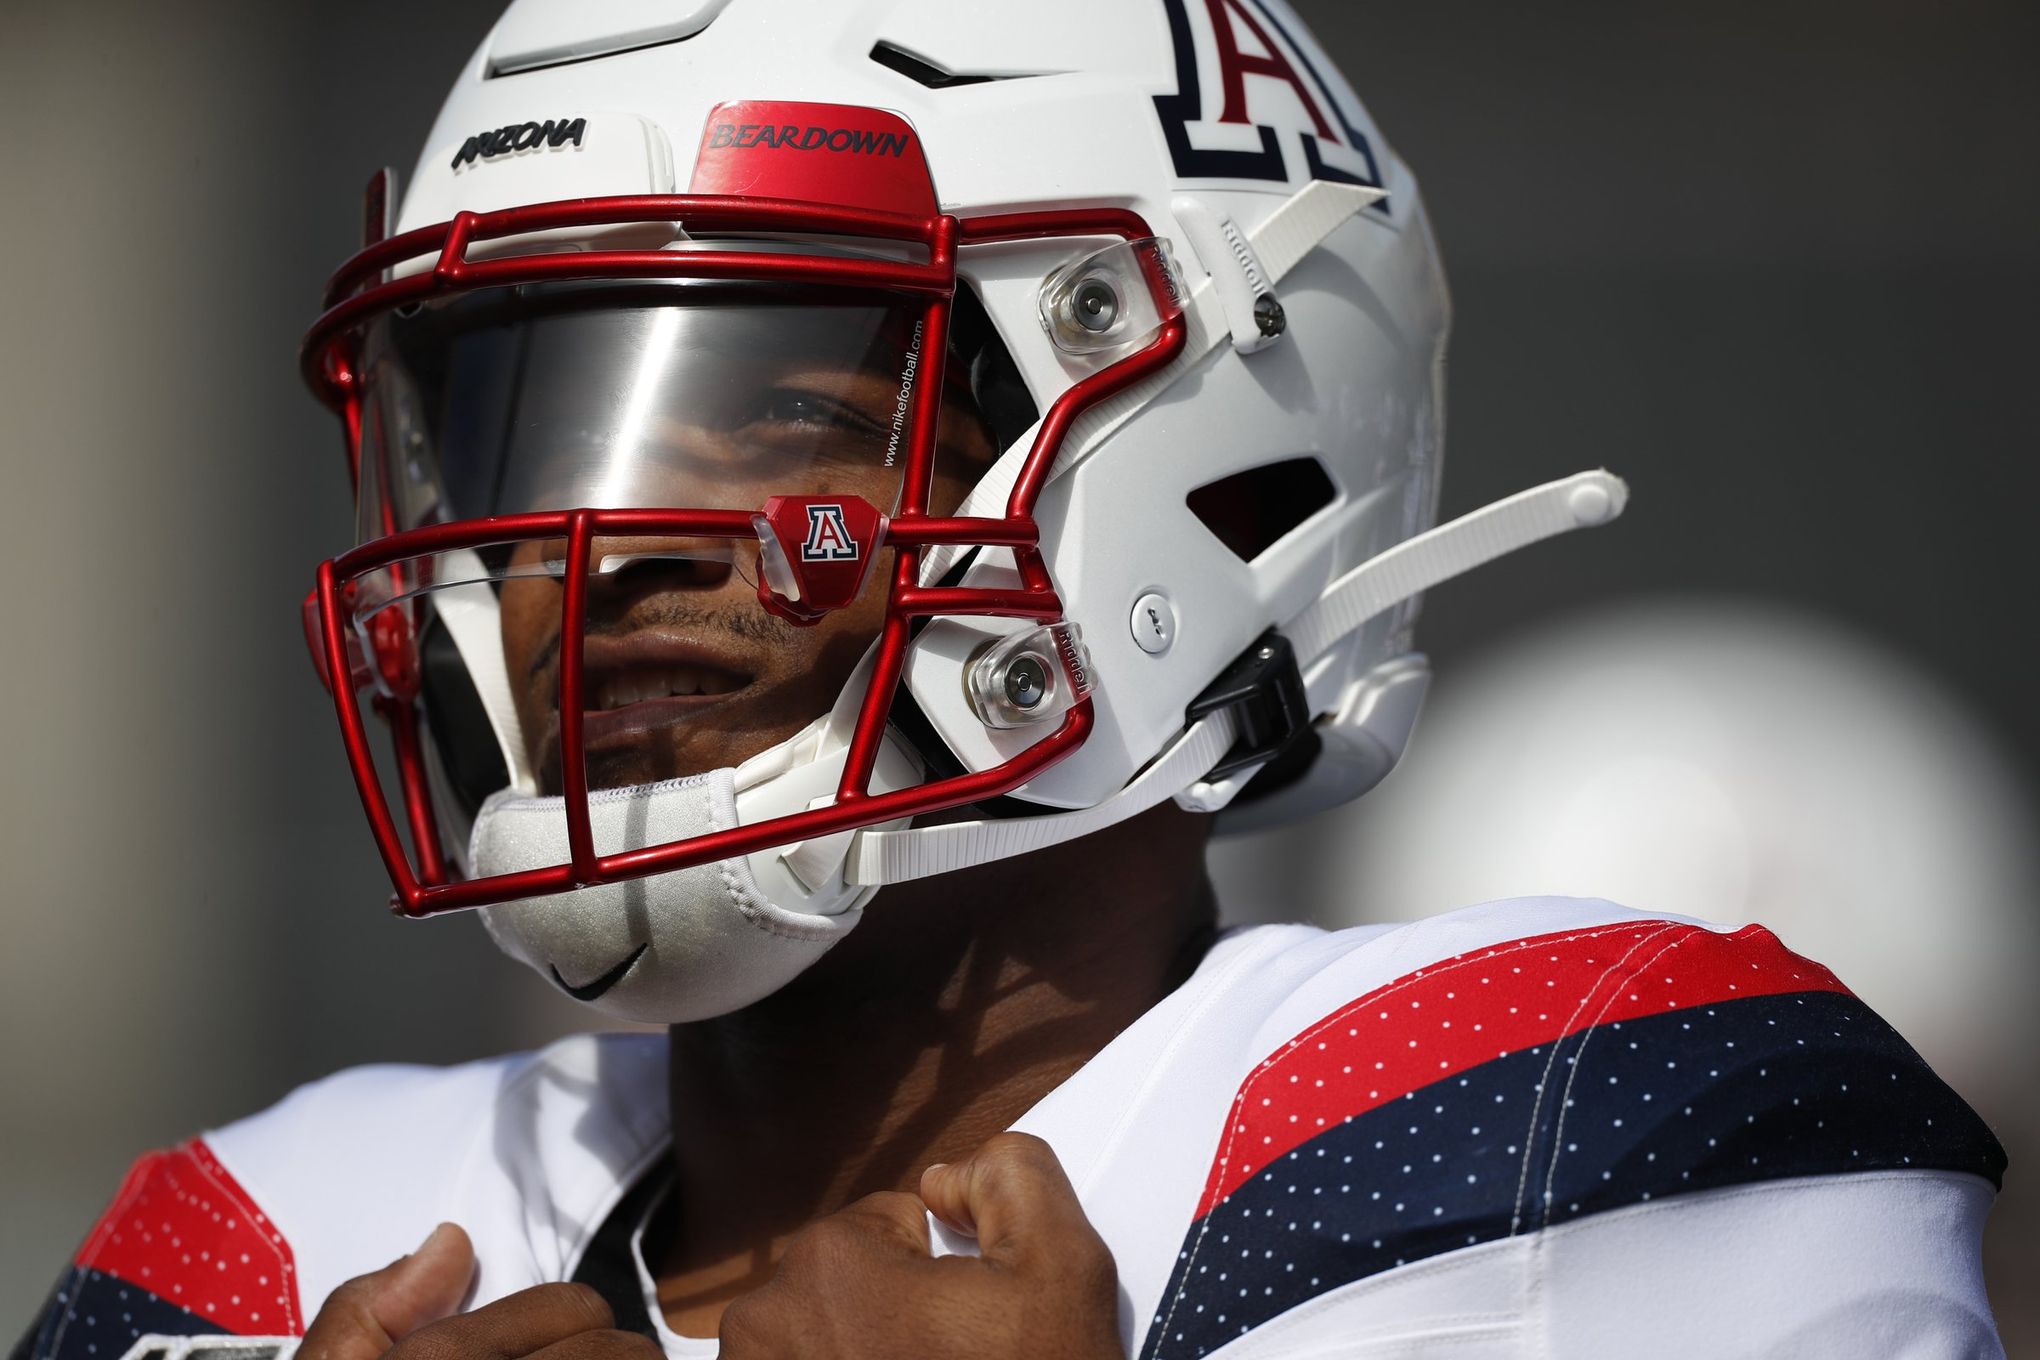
{"points": [[184, 1230], [1472, 1008], [95, 1316], [1616, 1066]]}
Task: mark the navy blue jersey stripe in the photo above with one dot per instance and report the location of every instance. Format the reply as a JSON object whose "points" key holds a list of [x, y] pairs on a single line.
{"points": [[1794, 1084], [95, 1316]]}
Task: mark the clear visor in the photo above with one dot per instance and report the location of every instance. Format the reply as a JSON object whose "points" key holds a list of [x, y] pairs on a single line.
{"points": [[698, 396]]}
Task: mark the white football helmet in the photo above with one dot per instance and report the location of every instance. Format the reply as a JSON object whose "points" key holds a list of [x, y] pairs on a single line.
{"points": [[778, 421]]}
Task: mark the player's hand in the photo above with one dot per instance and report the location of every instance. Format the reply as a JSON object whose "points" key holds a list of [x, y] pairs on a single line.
{"points": [[405, 1311], [861, 1284]]}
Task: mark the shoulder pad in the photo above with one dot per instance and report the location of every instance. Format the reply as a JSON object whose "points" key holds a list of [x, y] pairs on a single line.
{"points": [[1533, 1082], [183, 1251]]}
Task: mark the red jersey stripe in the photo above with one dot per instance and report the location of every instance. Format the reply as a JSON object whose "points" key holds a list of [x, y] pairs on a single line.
{"points": [[1444, 1018], [184, 1230]]}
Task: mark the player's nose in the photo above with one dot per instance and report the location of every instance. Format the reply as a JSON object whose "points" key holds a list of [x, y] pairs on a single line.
{"points": [[627, 570]]}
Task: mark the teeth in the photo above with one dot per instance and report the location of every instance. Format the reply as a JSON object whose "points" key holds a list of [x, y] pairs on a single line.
{"points": [[639, 686]]}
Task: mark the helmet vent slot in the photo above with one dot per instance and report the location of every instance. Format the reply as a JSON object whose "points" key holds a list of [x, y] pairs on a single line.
{"points": [[1250, 511], [924, 72]]}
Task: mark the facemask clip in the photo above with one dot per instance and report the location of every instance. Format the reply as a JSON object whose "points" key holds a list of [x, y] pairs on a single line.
{"points": [[815, 553], [1031, 676], [1113, 298]]}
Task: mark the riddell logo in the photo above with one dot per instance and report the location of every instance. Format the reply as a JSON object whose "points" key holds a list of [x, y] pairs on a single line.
{"points": [[1074, 659], [552, 133], [791, 137]]}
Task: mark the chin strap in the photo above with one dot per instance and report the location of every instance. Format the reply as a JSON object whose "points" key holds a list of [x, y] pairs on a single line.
{"points": [[896, 856], [1581, 501]]}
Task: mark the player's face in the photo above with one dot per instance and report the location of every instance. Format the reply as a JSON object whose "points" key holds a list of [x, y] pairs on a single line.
{"points": [[673, 395], [684, 670]]}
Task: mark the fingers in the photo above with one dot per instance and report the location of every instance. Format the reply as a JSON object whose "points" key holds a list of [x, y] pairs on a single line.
{"points": [[1013, 1195], [890, 1218], [875, 1252], [516, 1325], [408, 1307], [861, 1282], [370, 1313], [942, 1186], [603, 1345]]}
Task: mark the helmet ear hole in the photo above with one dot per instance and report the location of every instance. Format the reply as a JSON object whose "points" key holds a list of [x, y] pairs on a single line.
{"points": [[459, 725], [1251, 511]]}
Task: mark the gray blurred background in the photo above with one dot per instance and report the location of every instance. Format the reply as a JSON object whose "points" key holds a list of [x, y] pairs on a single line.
{"points": [[1772, 262]]}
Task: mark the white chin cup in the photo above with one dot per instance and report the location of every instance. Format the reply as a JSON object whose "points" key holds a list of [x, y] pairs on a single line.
{"points": [[687, 945]]}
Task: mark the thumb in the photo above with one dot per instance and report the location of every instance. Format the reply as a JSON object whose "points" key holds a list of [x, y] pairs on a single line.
{"points": [[370, 1313], [1013, 1196]]}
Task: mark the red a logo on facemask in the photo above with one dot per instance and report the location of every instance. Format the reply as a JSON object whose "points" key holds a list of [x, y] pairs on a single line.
{"points": [[828, 537]]}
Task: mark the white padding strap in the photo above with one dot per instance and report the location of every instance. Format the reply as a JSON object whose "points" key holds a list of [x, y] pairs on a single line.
{"points": [[474, 619], [1296, 228], [896, 856], [1411, 567], [1451, 549]]}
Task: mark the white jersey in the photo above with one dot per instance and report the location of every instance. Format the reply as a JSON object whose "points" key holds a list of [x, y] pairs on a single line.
{"points": [[1543, 1126]]}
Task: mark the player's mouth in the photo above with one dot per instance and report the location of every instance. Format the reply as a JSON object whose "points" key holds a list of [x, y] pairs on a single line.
{"points": [[634, 703], [649, 680]]}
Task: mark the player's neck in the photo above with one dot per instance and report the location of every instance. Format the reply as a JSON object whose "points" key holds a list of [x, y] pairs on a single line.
{"points": [[953, 1007]]}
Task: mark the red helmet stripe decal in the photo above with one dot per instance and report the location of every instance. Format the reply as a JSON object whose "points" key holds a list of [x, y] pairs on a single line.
{"points": [[840, 154]]}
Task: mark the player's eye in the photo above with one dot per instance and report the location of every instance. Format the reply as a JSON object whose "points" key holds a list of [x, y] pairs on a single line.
{"points": [[788, 410]]}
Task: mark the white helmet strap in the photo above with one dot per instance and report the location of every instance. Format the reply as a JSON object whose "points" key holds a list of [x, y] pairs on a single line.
{"points": [[1581, 501], [473, 618]]}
